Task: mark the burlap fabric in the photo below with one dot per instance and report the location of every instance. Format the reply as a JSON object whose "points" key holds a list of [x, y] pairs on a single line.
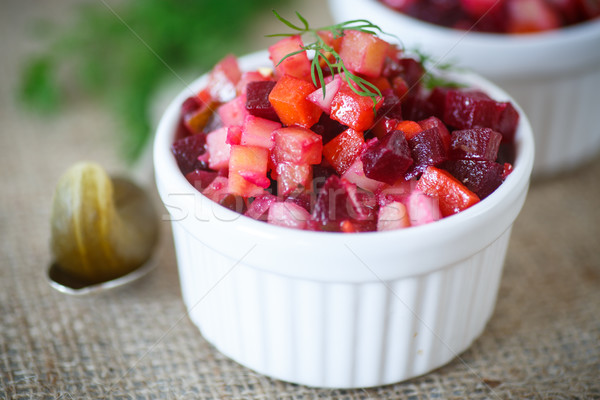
{"points": [[136, 342]]}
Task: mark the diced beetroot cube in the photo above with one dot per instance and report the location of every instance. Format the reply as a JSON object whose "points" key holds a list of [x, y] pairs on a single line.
{"points": [[234, 135], [507, 122], [427, 149], [248, 170], [257, 131], [355, 174], [452, 195], [480, 176], [506, 153], [475, 144], [354, 110], [412, 72], [200, 179], [233, 112], [342, 150], [259, 206], [257, 99], [422, 209], [223, 78], [471, 109], [442, 129], [253, 76], [288, 214], [333, 205], [409, 128], [297, 65], [392, 216], [218, 149], [437, 101], [296, 145], [387, 160], [187, 151], [331, 88], [363, 53], [416, 107], [391, 106], [293, 178], [288, 98]]}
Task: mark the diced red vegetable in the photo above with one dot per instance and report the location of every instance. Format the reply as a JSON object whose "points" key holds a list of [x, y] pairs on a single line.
{"points": [[288, 98], [342, 150], [452, 195], [354, 110]]}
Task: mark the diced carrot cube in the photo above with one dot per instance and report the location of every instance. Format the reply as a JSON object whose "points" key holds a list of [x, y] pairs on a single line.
{"points": [[297, 65], [453, 196], [342, 150], [363, 53], [288, 98], [409, 128], [354, 110]]}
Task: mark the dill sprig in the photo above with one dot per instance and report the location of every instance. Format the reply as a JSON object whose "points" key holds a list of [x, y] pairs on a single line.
{"points": [[322, 50], [432, 80]]}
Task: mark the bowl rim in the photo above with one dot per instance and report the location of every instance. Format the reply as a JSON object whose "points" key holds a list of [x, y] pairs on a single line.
{"points": [[505, 202], [570, 32]]}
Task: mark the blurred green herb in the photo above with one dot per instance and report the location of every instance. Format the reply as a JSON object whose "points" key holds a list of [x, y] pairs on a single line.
{"points": [[433, 79], [122, 55]]}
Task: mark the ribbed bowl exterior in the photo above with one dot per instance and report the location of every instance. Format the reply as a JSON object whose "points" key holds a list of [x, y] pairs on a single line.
{"points": [[343, 335], [564, 113]]}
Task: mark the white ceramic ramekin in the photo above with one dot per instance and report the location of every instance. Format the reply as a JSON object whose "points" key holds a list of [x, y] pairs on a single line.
{"points": [[332, 309], [554, 76]]}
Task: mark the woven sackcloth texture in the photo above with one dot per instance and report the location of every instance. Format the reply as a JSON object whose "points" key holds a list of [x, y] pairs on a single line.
{"points": [[136, 342]]}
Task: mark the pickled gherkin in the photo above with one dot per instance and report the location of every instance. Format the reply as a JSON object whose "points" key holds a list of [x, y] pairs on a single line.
{"points": [[101, 228]]}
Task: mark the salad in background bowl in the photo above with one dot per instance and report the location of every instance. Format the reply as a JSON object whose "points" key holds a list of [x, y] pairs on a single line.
{"points": [[320, 301], [554, 74]]}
